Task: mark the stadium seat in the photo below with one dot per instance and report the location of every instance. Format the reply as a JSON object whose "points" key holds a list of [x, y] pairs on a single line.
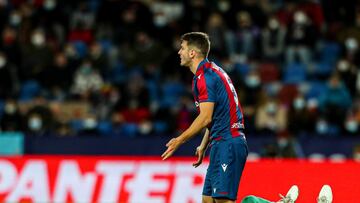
{"points": [[269, 72], [329, 53], [29, 89], [294, 73], [81, 48], [287, 94], [105, 128], [316, 88], [129, 130]]}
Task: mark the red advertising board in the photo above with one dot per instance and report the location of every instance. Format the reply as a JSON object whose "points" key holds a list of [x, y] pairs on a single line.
{"points": [[143, 179]]}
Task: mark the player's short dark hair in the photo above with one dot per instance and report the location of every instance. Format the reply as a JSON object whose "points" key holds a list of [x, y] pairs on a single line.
{"points": [[199, 40]]}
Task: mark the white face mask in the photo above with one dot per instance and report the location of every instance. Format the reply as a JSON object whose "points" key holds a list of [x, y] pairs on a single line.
{"points": [[49, 4], [10, 108], [252, 81], [351, 126], [299, 103], [273, 24], [321, 127], [38, 39], [351, 44], [15, 19], [90, 123], [2, 61], [35, 123]]}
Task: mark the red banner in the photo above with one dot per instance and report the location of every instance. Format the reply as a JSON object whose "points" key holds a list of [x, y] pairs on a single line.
{"points": [[143, 179]]}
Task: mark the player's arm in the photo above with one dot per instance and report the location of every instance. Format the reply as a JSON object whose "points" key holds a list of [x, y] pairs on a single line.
{"points": [[201, 121], [201, 149]]}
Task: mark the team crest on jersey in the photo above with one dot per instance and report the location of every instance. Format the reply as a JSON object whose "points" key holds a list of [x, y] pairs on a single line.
{"points": [[197, 104]]}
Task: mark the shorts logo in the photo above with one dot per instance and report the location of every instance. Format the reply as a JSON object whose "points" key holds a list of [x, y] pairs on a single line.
{"points": [[214, 190], [197, 104], [199, 76], [224, 166]]}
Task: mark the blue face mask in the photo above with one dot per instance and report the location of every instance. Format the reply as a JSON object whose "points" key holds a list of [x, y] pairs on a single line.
{"points": [[35, 123]]}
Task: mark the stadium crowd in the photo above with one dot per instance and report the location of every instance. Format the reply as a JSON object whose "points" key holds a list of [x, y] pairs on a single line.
{"points": [[111, 68]]}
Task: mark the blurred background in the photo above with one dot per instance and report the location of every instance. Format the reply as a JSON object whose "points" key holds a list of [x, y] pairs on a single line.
{"points": [[103, 77]]}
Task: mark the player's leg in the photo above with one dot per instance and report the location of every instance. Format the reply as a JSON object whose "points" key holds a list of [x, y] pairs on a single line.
{"points": [[254, 199], [207, 199], [224, 201], [228, 165], [291, 197]]}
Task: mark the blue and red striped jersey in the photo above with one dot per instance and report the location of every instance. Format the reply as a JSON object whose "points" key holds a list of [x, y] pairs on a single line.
{"points": [[212, 84]]}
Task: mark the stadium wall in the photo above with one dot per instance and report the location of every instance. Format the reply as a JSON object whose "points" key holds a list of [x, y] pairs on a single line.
{"points": [[138, 179]]}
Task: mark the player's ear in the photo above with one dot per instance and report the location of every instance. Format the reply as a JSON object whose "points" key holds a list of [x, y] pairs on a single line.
{"points": [[192, 53]]}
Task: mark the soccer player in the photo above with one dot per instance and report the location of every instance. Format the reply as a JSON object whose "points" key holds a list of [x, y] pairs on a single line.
{"points": [[220, 114], [325, 196]]}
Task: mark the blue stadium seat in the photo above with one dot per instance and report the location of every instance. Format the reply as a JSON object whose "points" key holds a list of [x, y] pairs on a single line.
{"points": [[171, 93], [294, 73], [323, 69], [29, 90], [316, 88], [105, 128], [129, 129], [81, 48], [76, 125], [330, 52]]}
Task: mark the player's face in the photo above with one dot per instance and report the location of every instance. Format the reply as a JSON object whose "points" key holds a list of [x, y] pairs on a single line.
{"points": [[184, 53]]}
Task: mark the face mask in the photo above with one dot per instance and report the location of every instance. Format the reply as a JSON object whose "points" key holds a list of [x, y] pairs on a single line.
{"points": [[10, 108], [271, 108], [2, 61], [252, 81], [90, 123], [343, 65], [351, 44], [283, 142], [50, 4], [273, 24], [38, 40], [299, 103], [321, 127], [160, 20], [86, 69], [145, 127], [300, 17], [35, 123], [15, 19], [223, 6], [351, 126]]}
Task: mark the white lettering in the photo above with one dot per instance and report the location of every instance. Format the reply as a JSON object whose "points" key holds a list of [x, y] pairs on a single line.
{"points": [[143, 183], [113, 173], [7, 175], [71, 181], [185, 178], [33, 183]]}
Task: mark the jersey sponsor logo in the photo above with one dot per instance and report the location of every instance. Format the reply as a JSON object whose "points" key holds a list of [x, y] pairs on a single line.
{"points": [[237, 125], [224, 167]]}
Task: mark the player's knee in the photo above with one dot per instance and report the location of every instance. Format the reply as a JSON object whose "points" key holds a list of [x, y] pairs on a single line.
{"points": [[249, 199], [207, 199]]}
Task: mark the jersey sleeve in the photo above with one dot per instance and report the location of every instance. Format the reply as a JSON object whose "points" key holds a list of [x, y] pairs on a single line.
{"points": [[206, 85]]}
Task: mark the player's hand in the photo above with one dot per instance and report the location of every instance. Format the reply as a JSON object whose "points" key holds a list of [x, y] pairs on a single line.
{"points": [[200, 153], [172, 146]]}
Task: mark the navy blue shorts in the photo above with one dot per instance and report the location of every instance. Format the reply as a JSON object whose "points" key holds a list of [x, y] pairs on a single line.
{"points": [[227, 161]]}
